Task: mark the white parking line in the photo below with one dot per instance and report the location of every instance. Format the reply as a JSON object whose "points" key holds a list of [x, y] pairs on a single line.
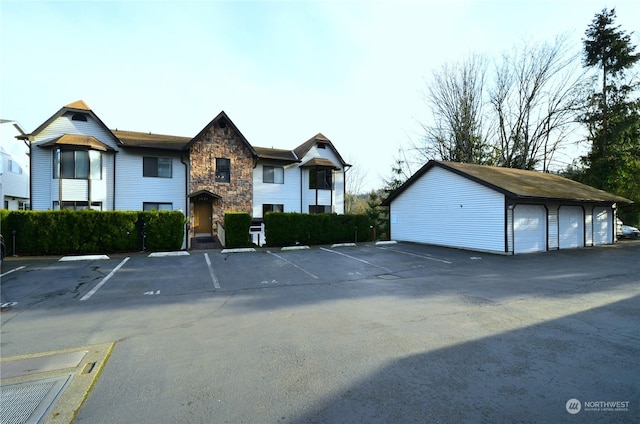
{"points": [[294, 265], [216, 284], [415, 254], [357, 259], [104, 280], [12, 270]]}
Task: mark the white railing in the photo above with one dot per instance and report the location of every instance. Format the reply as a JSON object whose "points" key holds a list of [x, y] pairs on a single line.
{"points": [[220, 231]]}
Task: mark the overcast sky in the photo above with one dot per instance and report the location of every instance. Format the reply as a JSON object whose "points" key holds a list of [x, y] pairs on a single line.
{"points": [[283, 71]]}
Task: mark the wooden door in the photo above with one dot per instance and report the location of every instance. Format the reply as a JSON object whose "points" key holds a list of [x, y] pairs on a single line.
{"points": [[203, 212]]}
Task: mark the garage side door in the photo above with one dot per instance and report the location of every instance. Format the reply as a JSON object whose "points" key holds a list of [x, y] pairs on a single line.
{"points": [[602, 225], [529, 228], [571, 227]]}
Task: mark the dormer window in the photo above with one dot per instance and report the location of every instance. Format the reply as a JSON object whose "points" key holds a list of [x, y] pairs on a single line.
{"points": [[79, 117]]}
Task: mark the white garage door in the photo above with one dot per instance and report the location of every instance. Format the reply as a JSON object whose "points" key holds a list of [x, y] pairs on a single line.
{"points": [[571, 227], [602, 225], [529, 228]]}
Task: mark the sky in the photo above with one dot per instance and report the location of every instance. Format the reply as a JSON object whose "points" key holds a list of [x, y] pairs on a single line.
{"points": [[282, 70]]}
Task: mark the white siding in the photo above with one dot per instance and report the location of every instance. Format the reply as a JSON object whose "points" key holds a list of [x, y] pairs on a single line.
{"points": [[571, 227], [529, 229], [133, 190], [588, 227], [14, 184], [45, 190], [446, 209], [287, 194], [74, 190], [64, 125], [42, 195], [334, 197], [553, 238], [602, 225]]}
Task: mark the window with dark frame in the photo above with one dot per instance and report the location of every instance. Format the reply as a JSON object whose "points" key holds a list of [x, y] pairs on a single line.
{"points": [[157, 206], [271, 208], [77, 164], [320, 178], [157, 167], [273, 174], [223, 170], [77, 205], [79, 117], [315, 209]]}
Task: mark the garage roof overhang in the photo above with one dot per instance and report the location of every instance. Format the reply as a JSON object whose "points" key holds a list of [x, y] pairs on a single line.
{"points": [[520, 185]]}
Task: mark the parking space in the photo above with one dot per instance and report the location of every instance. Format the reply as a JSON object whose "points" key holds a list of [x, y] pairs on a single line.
{"points": [[30, 281], [321, 335]]}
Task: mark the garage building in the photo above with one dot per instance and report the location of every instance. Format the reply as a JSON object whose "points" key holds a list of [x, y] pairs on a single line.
{"points": [[500, 210]]}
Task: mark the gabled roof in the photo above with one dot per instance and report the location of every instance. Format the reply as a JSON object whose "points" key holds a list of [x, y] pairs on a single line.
{"points": [[144, 140], [204, 193], [280, 155], [518, 184], [77, 106], [304, 148], [77, 140], [319, 162], [221, 118]]}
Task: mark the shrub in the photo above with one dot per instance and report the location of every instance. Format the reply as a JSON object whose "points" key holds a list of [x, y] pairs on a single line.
{"points": [[236, 228], [81, 232], [294, 228]]}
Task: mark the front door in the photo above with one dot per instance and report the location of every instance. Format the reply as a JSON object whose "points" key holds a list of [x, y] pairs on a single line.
{"points": [[203, 212]]}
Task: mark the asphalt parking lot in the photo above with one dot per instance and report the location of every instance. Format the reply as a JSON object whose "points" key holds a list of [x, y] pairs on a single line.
{"points": [[368, 333]]}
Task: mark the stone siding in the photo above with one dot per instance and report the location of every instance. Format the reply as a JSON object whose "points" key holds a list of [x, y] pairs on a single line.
{"points": [[217, 142]]}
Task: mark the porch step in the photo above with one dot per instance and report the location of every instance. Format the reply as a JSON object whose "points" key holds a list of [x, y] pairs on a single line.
{"points": [[203, 243]]}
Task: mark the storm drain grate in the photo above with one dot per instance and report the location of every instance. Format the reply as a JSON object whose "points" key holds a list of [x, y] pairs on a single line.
{"points": [[27, 403], [38, 364], [388, 277]]}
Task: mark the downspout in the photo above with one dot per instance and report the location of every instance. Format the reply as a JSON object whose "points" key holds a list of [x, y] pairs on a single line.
{"points": [[59, 181], [333, 184], [31, 179], [113, 207], [344, 190], [614, 222], [89, 181], [315, 169], [186, 200]]}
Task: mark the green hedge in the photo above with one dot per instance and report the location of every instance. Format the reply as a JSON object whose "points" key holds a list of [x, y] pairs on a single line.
{"points": [[236, 229], [284, 229], [84, 232]]}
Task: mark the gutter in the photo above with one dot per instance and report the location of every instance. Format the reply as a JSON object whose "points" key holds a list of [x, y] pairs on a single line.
{"points": [[186, 200]]}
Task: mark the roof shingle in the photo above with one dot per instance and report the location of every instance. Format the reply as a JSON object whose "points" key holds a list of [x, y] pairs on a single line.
{"points": [[520, 184], [150, 140]]}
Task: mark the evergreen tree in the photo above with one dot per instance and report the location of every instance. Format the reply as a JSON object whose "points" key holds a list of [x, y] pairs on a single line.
{"points": [[612, 114], [608, 48]]}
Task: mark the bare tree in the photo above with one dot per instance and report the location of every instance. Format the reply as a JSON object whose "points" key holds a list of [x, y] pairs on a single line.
{"points": [[356, 178], [535, 98], [456, 99]]}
